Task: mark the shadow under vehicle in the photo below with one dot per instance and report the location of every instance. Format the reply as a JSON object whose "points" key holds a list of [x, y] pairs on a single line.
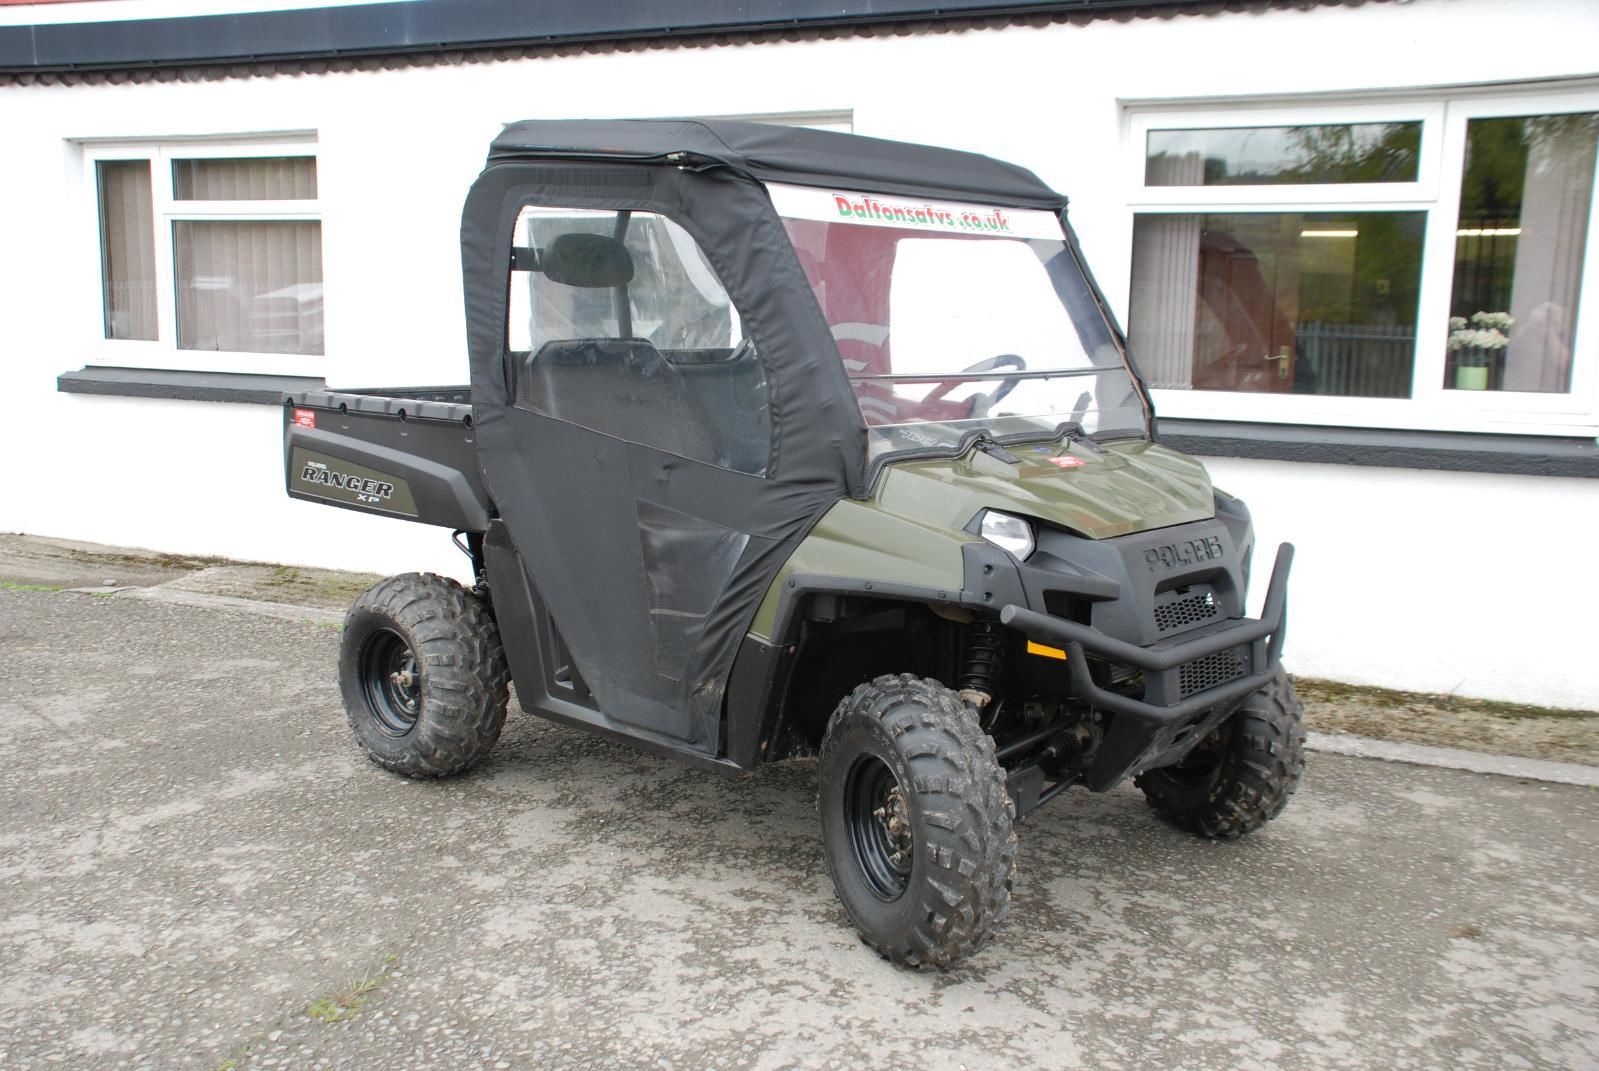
{"points": [[781, 442]]}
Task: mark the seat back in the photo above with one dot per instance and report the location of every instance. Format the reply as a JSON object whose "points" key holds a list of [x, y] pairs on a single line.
{"points": [[617, 386]]}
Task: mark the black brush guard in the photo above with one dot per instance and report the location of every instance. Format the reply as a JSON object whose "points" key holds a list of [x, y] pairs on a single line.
{"points": [[1146, 735]]}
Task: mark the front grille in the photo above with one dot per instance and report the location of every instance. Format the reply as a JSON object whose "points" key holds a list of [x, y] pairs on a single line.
{"points": [[1185, 611], [1211, 671]]}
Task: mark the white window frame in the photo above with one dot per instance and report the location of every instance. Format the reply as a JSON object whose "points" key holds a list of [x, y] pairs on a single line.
{"points": [[163, 353], [1436, 191]]}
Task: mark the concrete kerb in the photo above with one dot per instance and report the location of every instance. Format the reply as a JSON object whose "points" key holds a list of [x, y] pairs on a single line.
{"points": [[1364, 747], [1564, 773]]}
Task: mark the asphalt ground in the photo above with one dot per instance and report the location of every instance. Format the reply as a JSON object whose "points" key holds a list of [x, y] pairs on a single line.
{"points": [[199, 870]]}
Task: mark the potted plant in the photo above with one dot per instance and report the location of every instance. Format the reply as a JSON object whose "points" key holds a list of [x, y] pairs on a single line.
{"points": [[1476, 344]]}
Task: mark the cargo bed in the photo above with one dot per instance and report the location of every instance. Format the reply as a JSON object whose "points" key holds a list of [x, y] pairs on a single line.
{"points": [[397, 452]]}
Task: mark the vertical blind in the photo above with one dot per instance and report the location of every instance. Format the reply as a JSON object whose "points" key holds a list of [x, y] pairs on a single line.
{"points": [[248, 286], [274, 178], [127, 249], [1557, 190], [252, 287], [241, 285]]}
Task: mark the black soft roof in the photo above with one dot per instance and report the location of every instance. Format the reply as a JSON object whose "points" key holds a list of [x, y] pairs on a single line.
{"points": [[772, 152]]}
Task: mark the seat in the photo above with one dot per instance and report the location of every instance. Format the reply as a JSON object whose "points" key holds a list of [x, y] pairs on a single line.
{"points": [[621, 387]]}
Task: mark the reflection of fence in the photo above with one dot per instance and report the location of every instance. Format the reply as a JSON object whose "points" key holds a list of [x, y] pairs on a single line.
{"points": [[1360, 360], [1485, 264]]}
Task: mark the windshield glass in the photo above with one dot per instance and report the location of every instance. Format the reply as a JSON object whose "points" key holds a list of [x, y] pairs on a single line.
{"points": [[955, 318]]}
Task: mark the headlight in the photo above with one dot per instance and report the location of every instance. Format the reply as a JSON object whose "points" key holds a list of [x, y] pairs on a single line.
{"points": [[1008, 533]]}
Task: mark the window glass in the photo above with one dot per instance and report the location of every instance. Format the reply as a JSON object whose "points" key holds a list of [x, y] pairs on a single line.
{"points": [[1523, 227], [254, 287], [211, 255], [271, 178], [1277, 302], [127, 248], [1283, 155], [618, 323], [956, 318]]}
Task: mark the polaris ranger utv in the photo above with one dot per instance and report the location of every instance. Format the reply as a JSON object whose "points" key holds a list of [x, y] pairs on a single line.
{"points": [[779, 443]]}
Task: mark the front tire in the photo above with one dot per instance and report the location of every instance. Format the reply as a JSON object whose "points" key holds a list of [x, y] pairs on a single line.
{"points": [[423, 675], [1240, 776], [916, 822]]}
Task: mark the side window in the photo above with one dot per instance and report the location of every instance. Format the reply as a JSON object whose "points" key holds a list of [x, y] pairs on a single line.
{"points": [[618, 324]]}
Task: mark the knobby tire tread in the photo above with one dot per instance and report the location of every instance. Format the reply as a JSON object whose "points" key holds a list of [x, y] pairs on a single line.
{"points": [[465, 679], [970, 842], [1261, 767]]}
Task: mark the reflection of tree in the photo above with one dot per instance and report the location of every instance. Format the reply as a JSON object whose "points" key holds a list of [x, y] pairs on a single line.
{"points": [[1493, 191], [1496, 173], [1369, 152], [1496, 161], [1364, 152], [1381, 282]]}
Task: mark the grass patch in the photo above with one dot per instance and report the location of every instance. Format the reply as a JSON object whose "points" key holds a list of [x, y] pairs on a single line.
{"points": [[183, 562], [236, 1060], [1320, 691], [12, 585], [324, 585], [346, 1002]]}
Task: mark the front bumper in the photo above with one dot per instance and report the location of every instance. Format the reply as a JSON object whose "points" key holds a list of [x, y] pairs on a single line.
{"points": [[1146, 734]]}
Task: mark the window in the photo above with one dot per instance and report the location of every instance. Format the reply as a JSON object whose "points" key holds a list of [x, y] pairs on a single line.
{"points": [[954, 318], [210, 256], [1412, 264], [1283, 155], [618, 323], [1527, 188]]}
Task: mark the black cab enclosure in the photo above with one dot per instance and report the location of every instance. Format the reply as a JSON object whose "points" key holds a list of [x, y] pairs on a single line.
{"points": [[780, 441]]}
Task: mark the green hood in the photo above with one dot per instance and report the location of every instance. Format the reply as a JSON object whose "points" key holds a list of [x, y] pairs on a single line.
{"points": [[1129, 487]]}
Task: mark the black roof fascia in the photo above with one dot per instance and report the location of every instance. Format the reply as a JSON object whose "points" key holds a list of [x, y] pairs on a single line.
{"points": [[447, 25]]}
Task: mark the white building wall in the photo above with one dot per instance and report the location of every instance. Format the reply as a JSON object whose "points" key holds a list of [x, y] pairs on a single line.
{"points": [[1401, 573], [1452, 582]]}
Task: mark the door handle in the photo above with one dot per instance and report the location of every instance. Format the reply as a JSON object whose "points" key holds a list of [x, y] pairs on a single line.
{"points": [[1282, 358]]}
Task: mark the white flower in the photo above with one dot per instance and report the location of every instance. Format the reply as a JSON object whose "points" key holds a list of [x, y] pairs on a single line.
{"points": [[1489, 338], [1457, 323], [1497, 321]]}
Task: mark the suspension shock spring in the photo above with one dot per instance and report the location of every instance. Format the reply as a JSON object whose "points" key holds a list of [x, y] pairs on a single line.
{"points": [[979, 678]]}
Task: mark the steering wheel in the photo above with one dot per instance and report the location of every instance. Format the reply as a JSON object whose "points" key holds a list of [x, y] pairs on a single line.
{"points": [[982, 403]]}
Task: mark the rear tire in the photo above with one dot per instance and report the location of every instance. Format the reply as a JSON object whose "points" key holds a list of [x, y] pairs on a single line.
{"points": [[423, 675], [916, 822], [1240, 776]]}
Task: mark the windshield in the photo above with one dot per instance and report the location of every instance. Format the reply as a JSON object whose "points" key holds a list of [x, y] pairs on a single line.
{"points": [[958, 318]]}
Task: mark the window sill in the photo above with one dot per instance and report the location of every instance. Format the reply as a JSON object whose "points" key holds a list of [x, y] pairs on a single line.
{"points": [[185, 386], [1524, 455]]}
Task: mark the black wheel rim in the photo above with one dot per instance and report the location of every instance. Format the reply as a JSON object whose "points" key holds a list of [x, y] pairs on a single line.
{"points": [[391, 681], [1205, 758], [877, 818]]}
